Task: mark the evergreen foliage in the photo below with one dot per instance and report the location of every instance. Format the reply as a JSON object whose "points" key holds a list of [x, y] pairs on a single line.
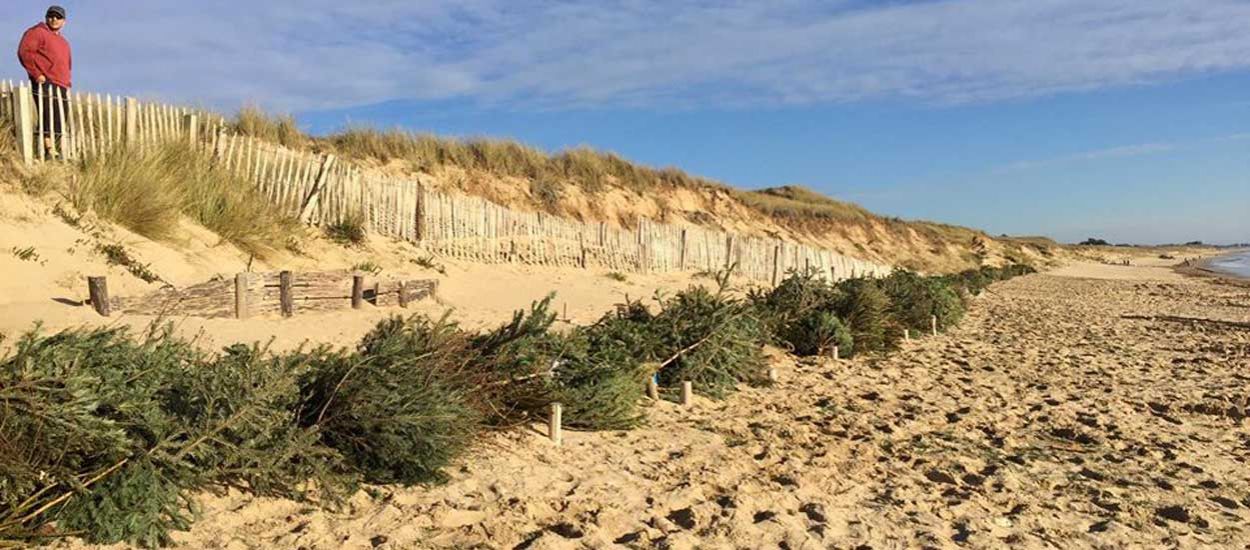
{"points": [[398, 409], [817, 333], [867, 309], [709, 338], [522, 357], [109, 434], [915, 300]]}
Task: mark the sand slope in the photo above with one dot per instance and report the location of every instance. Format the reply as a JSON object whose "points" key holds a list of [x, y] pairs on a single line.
{"points": [[1045, 420]]}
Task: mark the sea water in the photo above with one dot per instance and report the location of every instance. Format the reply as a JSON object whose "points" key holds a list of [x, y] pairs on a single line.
{"points": [[1237, 263]]}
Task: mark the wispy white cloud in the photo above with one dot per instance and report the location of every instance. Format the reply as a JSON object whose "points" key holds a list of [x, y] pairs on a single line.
{"points": [[1118, 152], [322, 53]]}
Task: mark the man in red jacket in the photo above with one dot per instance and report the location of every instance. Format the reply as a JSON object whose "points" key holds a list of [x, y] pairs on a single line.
{"points": [[45, 54]]}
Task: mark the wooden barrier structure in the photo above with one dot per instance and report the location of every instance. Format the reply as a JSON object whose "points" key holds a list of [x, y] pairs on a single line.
{"points": [[284, 293], [323, 191]]}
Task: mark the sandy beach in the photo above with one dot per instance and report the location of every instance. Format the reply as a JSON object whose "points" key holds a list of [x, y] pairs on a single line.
{"points": [[1079, 408]]}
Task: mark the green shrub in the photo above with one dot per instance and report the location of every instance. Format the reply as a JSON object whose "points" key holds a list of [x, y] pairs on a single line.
{"points": [[601, 390], [599, 382], [801, 315], [349, 231], [817, 333], [522, 356], [915, 300], [710, 339], [866, 308], [794, 299], [399, 409], [108, 437]]}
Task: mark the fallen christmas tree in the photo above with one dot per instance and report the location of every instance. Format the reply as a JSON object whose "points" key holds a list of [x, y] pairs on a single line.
{"points": [[108, 435]]}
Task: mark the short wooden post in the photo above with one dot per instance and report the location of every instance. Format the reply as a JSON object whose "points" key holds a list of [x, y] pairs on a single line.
{"points": [[24, 123], [554, 426], [403, 295], [772, 374], [284, 294], [687, 392], [581, 243], [906, 335], [836, 353], [192, 122], [776, 264], [240, 296], [358, 291], [132, 121], [98, 291], [653, 387], [682, 262], [933, 324]]}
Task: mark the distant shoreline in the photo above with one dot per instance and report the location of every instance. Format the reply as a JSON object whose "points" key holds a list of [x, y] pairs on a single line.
{"points": [[1207, 266]]}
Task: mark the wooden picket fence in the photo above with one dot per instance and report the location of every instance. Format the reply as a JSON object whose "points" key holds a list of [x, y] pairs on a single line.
{"points": [[322, 190], [92, 123]]}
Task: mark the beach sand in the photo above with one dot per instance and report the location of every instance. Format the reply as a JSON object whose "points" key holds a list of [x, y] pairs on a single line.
{"points": [[1046, 419]]}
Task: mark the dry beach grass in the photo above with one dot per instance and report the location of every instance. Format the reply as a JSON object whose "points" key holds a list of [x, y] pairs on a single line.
{"points": [[1047, 419]]}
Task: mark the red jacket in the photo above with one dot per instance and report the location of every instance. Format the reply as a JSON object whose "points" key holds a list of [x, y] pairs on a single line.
{"points": [[44, 51]]}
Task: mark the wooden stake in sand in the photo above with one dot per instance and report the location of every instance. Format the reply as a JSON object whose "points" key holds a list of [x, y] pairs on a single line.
{"points": [[98, 290], [933, 324], [906, 335], [358, 291], [772, 374], [653, 387], [836, 354], [240, 296], [285, 299], [554, 427], [687, 392]]}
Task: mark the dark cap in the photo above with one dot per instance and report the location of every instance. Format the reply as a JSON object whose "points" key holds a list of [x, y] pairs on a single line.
{"points": [[57, 11]]}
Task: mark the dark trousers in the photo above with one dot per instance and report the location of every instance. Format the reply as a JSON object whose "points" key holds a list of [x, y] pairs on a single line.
{"points": [[51, 100]]}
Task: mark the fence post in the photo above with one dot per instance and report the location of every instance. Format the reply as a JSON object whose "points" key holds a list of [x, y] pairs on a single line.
{"points": [[192, 122], [776, 263], [681, 266], [581, 243], [310, 202], [132, 121], [358, 291], [24, 123], [420, 210], [240, 296], [98, 290], [284, 294]]}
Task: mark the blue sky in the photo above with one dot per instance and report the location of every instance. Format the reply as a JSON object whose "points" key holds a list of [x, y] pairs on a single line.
{"points": [[1123, 119]]}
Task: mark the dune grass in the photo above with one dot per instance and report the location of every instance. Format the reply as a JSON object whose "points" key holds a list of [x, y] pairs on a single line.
{"points": [[148, 191], [281, 129], [587, 169]]}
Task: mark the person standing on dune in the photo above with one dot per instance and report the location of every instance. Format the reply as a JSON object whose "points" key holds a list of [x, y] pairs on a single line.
{"points": [[45, 54]]}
